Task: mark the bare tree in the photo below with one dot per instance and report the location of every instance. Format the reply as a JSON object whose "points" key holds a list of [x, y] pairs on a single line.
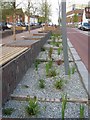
{"points": [[14, 18], [45, 10], [59, 12], [12, 7], [29, 7]]}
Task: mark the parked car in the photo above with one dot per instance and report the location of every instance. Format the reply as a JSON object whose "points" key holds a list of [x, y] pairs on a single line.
{"points": [[9, 25], [20, 24], [84, 26], [3, 26], [79, 25]]}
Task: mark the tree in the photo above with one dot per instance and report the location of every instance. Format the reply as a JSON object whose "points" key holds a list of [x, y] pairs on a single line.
{"points": [[45, 10], [7, 9], [75, 18], [59, 11], [31, 9]]}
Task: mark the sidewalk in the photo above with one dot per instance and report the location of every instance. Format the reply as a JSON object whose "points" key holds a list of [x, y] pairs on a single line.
{"points": [[19, 36], [84, 74]]}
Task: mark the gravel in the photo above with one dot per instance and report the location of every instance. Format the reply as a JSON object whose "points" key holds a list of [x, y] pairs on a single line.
{"points": [[46, 110], [72, 86]]}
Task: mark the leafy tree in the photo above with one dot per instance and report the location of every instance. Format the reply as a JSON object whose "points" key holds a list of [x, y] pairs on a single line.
{"points": [[7, 9], [75, 18]]}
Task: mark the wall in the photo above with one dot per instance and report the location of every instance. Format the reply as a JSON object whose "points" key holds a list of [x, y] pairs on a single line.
{"points": [[14, 70]]}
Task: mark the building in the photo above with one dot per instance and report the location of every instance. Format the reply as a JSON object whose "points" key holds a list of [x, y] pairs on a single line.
{"points": [[22, 17], [75, 13], [19, 16], [74, 16], [33, 18]]}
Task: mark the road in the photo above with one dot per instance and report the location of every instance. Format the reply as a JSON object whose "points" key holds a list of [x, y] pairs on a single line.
{"points": [[80, 41]]}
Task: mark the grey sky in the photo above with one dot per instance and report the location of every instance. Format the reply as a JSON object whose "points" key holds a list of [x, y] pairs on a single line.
{"points": [[54, 4]]}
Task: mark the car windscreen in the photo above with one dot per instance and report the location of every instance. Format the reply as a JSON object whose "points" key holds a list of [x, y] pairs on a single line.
{"points": [[86, 24]]}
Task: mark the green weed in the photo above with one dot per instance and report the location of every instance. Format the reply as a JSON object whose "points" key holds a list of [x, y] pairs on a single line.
{"points": [[51, 73], [47, 68], [59, 83], [37, 62], [59, 51], [41, 83], [32, 108], [7, 111], [81, 111], [50, 52], [64, 103]]}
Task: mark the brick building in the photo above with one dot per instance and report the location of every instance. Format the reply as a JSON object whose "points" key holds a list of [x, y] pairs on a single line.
{"points": [[70, 18], [19, 16], [75, 13]]}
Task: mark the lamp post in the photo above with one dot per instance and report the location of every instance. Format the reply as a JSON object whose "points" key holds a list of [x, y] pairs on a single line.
{"points": [[64, 36]]}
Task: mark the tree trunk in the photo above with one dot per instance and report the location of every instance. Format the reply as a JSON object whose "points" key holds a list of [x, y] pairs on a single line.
{"points": [[14, 21]]}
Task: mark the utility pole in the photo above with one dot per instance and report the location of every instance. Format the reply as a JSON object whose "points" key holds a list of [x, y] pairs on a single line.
{"points": [[64, 36], [14, 21]]}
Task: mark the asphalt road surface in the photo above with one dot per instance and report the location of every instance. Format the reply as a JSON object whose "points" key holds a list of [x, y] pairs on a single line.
{"points": [[81, 42]]}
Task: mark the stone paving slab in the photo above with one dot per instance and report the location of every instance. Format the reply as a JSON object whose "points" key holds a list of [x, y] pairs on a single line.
{"points": [[84, 73], [22, 43], [81, 68], [33, 37], [75, 55], [69, 44]]}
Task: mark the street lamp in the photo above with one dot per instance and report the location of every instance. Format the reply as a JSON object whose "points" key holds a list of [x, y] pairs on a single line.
{"points": [[64, 37]]}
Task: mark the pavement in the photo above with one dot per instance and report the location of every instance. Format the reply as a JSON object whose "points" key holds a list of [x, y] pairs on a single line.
{"points": [[85, 76], [19, 36]]}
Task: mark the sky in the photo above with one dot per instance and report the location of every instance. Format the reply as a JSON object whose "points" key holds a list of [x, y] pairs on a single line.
{"points": [[54, 6]]}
